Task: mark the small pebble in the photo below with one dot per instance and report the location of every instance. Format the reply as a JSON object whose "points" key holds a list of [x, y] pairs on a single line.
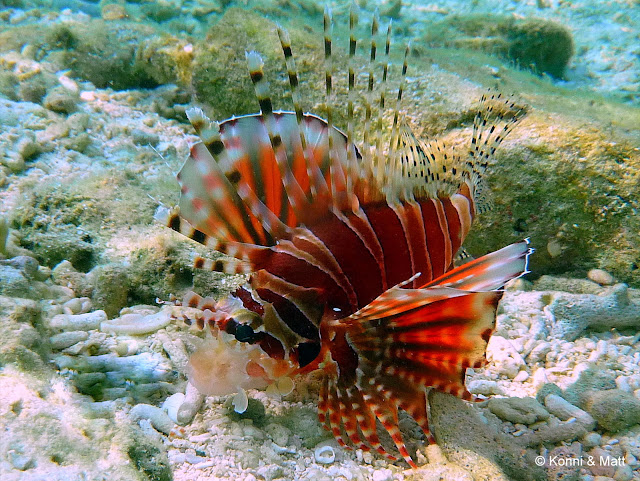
{"points": [[485, 387], [382, 475], [601, 277]]}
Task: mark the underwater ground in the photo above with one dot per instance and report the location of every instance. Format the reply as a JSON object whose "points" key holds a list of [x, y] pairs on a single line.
{"points": [[92, 130]]}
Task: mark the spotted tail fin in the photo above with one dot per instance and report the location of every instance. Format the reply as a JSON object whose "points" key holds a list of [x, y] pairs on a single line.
{"points": [[408, 340]]}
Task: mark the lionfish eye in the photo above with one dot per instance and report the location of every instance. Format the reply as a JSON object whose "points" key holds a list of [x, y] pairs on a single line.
{"points": [[244, 333], [307, 352]]}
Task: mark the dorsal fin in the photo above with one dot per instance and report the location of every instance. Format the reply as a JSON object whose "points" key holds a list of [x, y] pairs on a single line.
{"points": [[255, 178]]}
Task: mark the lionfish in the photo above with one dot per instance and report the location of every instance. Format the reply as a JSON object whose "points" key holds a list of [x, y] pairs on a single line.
{"points": [[350, 251]]}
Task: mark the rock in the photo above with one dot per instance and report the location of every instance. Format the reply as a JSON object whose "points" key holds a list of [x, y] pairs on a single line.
{"points": [[20, 342], [278, 433], [78, 322], [113, 11], [27, 147], [591, 440], [545, 389], [571, 314], [563, 469], [64, 274], [564, 410], [61, 100], [192, 402], [594, 378], [566, 284], [142, 137], [614, 410], [518, 410], [137, 324], [469, 441], [600, 276], [158, 418], [504, 356], [66, 339], [541, 45], [111, 288], [485, 387], [602, 466], [539, 352]]}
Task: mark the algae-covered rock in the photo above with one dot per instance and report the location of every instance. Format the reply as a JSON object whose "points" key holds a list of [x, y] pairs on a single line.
{"points": [[220, 76], [304, 423], [518, 410], [540, 45], [120, 54], [110, 288], [61, 100], [150, 457], [614, 410], [20, 342], [594, 378], [572, 185], [255, 411]]}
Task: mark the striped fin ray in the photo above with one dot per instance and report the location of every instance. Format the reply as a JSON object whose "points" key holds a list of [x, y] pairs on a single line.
{"points": [[369, 117], [351, 79], [172, 219], [496, 118], [209, 201], [318, 186], [228, 266], [379, 164], [338, 179], [295, 193], [396, 189]]}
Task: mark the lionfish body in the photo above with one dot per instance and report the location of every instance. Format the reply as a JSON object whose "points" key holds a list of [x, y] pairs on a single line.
{"points": [[350, 252]]}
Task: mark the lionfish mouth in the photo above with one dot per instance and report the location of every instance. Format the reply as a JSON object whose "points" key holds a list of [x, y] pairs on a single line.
{"points": [[350, 249]]}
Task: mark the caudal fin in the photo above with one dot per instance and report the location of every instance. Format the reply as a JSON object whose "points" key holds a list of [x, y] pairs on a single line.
{"points": [[408, 340]]}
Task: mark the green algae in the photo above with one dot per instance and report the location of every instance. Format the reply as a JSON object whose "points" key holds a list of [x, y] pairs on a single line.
{"points": [[4, 236], [543, 46], [220, 77], [118, 54]]}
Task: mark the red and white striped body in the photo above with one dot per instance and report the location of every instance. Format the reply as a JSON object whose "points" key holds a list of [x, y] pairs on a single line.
{"points": [[350, 256]]}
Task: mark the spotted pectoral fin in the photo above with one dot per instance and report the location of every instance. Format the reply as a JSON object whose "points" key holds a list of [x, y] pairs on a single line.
{"points": [[414, 339], [406, 341]]}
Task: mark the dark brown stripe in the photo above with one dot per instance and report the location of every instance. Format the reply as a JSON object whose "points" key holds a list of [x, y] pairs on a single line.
{"points": [[291, 315], [453, 222], [435, 237], [389, 231], [354, 258]]}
